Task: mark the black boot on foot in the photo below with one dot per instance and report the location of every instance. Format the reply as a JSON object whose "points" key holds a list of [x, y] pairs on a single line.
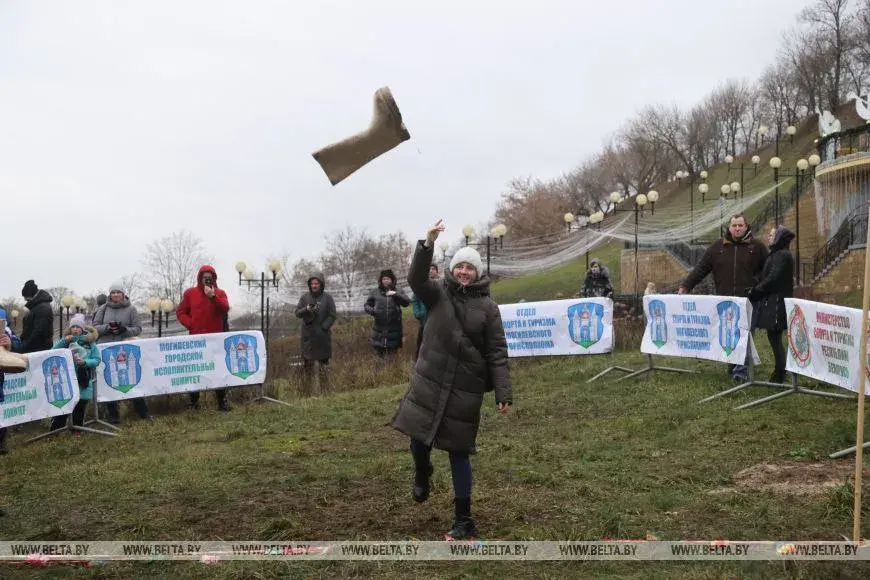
{"points": [[463, 524], [421, 484], [463, 528]]}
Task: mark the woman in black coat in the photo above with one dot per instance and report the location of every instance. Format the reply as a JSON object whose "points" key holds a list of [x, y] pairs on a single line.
{"points": [[463, 355], [768, 296], [385, 305]]}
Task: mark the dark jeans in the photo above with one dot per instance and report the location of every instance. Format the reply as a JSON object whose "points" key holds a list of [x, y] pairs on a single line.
{"points": [[308, 375], [221, 395], [775, 339], [138, 404], [78, 416], [460, 467]]}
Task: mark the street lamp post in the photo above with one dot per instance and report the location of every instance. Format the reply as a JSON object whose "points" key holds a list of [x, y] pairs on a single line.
{"points": [[722, 197], [494, 240], [66, 302], [776, 163], [161, 308], [802, 166], [790, 131], [262, 284], [444, 247], [640, 201], [248, 277], [735, 189]]}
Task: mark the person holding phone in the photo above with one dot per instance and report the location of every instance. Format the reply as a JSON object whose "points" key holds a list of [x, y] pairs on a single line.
{"points": [[204, 309], [118, 320]]}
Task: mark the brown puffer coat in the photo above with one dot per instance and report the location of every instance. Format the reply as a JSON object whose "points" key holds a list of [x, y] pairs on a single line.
{"points": [[442, 405], [736, 265]]}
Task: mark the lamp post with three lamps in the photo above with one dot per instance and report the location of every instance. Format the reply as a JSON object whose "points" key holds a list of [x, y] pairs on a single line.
{"points": [[640, 200], [263, 284], [494, 240]]}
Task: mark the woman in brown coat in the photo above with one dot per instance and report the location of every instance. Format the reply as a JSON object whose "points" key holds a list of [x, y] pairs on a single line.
{"points": [[463, 355]]}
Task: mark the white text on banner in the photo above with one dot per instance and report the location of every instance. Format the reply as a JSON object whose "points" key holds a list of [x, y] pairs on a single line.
{"points": [[558, 327], [46, 389], [694, 326], [824, 342], [180, 364]]}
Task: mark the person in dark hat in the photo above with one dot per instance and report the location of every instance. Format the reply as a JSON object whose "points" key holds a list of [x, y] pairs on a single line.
{"points": [[37, 328], [316, 308], [385, 305], [101, 299]]}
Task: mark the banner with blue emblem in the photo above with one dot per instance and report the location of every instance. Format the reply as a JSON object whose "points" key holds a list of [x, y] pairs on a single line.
{"points": [[696, 326], [46, 389], [558, 327], [180, 364]]}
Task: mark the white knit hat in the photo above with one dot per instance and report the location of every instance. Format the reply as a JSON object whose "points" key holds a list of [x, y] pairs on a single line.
{"points": [[470, 255], [77, 320]]}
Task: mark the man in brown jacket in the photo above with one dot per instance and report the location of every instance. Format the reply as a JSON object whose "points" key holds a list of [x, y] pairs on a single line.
{"points": [[736, 262]]}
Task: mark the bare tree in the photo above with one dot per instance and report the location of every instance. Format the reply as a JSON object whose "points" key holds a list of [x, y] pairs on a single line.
{"points": [[664, 126], [136, 288], [731, 103], [391, 251], [831, 22], [171, 264], [859, 64], [346, 259], [531, 208]]}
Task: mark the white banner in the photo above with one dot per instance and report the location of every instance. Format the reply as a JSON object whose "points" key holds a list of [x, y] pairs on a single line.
{"points": [[46, 389], [180, 364], [558, 327], [695, 326], [824, 342]]}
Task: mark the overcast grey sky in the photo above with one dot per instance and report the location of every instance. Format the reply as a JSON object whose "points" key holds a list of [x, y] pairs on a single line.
{"points": [[122, 121]]}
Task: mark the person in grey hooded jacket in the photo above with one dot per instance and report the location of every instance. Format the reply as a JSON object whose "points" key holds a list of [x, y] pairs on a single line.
{"points": [[118, 320]]}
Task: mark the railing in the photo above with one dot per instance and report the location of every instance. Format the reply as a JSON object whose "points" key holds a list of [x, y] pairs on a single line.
{"points": [[853, 231], [842, 143], [688, 255]]}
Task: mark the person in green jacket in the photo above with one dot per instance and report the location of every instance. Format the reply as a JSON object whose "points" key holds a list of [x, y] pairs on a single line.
{"points": [[419, 310], [81, 339]]}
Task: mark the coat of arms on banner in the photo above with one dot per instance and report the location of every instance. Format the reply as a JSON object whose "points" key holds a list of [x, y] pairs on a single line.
{"points": [[586, 323], [799, 337], [729, 329], [242, 357], [658, 328], [58, 384], [122, 367]]}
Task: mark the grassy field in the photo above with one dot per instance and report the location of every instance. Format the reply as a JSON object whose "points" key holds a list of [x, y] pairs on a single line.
{"points": [[571, 461]]}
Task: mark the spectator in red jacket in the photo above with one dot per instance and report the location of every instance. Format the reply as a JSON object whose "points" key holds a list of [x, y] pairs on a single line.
{"points": [[204, 309]]}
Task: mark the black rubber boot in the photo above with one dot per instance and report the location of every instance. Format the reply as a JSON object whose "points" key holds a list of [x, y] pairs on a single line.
{"points": [[421, 484]]}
